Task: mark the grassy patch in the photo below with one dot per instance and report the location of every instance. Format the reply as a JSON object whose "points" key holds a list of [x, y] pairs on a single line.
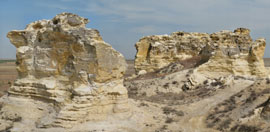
{"points": [[4, 61], [169, 110]]}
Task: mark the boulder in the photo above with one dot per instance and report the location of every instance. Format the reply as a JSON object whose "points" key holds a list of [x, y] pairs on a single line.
{"points": [[67, 75]]}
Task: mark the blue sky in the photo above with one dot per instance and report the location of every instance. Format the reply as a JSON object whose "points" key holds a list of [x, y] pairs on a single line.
{"points": [[123, 22]]}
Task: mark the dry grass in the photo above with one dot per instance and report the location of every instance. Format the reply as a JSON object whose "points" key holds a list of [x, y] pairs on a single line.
{"points": [[5, 61], [267, 62], [8, 74]]}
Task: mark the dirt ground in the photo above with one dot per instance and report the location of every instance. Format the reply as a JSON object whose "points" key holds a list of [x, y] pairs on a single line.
{"points": [[8, 73]]}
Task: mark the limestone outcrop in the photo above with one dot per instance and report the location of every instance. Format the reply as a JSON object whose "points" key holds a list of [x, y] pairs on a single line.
{"points": [[67, 75], [221, 53], [231, 53], [214, 83], [157, 51], [234, 53]]}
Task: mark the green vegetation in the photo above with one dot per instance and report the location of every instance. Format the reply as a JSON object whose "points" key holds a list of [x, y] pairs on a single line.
{"points": [[3, 61]]}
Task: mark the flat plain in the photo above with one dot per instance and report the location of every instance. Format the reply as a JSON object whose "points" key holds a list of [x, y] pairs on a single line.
{"points": [[267, 62], [8, 72]]}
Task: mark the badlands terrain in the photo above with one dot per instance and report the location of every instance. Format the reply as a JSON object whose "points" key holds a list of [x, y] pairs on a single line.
{"points": [[170, 107], [69, 79], [8, 72]]}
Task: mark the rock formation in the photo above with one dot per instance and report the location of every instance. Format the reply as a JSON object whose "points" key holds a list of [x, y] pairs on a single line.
{"points": [[204, 83], [71, 80], [234, 53], [158, 51], [67, 75], [220, 53]]}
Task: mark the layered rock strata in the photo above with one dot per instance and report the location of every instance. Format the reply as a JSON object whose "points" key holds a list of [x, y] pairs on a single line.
{"points": [[220, 53], [67, 75]]}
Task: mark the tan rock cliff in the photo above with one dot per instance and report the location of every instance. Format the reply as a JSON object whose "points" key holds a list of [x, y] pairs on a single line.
{"points": [[221, 53], [67, 75], [158, 51]]}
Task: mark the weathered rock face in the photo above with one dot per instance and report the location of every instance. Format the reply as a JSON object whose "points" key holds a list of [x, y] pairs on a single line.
{"points": [[222, 53], [234, 53], [67, 75], [155, 52], [62, 46]]}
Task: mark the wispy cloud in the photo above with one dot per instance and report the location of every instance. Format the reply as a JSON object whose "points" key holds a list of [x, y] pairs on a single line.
{"points": [[204, 13], [146, 29], [133, 19], [196, 12], [56, 6]]}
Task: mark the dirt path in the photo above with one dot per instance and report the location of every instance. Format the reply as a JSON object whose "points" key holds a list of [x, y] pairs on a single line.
{"points": [[194, 121]]}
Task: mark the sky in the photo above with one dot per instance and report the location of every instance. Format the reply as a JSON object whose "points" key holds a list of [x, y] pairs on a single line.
{"points": [[123, 22]]}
